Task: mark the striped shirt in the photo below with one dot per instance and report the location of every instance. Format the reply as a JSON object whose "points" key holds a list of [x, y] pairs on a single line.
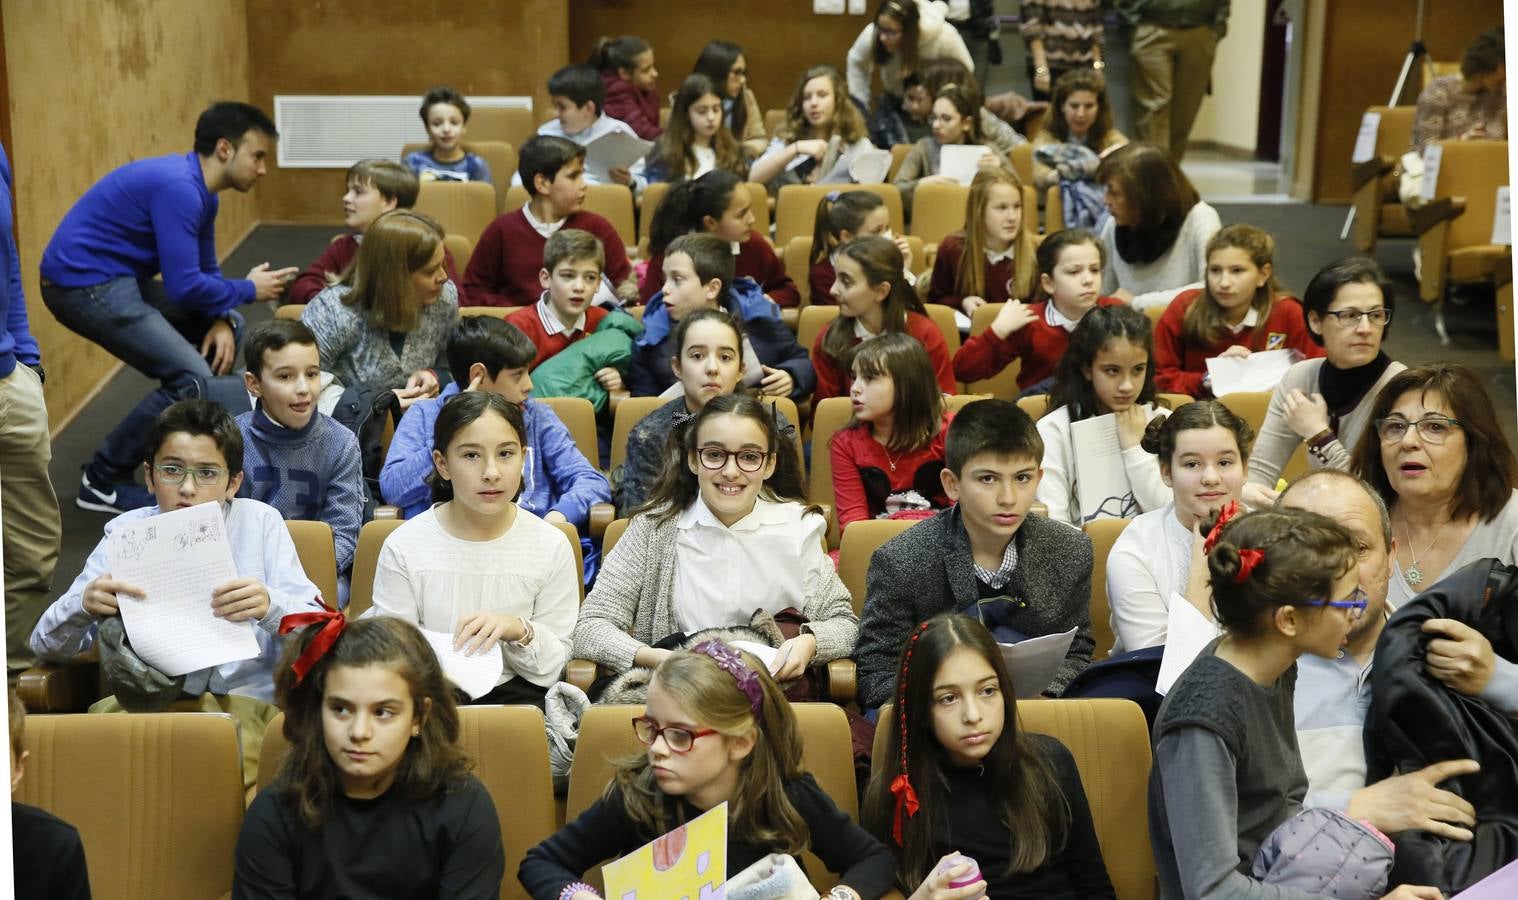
{"points": [[1070, 30]]}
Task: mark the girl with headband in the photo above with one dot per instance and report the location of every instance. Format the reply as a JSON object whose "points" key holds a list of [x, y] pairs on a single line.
{"points": [[963, 788], [374, 796], [718, 730]]}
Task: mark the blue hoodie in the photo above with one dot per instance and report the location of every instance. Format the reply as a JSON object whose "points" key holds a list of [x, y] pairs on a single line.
{"points": [[16, 341]]}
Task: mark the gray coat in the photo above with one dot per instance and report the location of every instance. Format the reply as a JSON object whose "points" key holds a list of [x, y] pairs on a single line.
{"points": [[359, 354], [929, 569]]}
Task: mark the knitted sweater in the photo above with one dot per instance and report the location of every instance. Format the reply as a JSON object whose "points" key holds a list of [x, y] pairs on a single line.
{"points": [[754, 259], [1183, 266], [361, 355], [1180, 365], [335, 259], [309, 473], [503, 270], [632, 605], [1038, 344]]}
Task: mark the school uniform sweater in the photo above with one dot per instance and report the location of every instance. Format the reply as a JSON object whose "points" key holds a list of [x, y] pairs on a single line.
{"points": [[755, 259], [638, 108], [336, 258], [146, 217], [388, 847], [607, 831], [833, 380], [530, 321], [49, 857], [1180, 365], [943, 288], [820, 279], [1038, 344], [503, 271], [310, 473], [870, 482]]}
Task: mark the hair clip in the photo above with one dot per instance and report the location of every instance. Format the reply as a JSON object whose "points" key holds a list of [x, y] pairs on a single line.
{"points": [[901, 785], [731, 662], [1224, 517], [1248, 559], [832, 196], [332, 624]]}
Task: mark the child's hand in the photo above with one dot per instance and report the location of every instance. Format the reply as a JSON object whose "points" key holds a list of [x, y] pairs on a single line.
{"points": [[619, 175], [776, 382], [609, 378], [242, 600], [1013, 316], [815, 148], [971, 304], [425, 381], [100, 596], [479, 630], [1237, 351], [269, 284], [1131, 423], [794, 657], [905, 246], [220, 347], [989, 162], [407, 396], [1307, 416], [936, 885], [1414, 892], [1198, 578]]}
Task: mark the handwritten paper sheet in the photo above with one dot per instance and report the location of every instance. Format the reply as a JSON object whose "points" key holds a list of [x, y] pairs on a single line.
{"points": [[179, 559], [1260, 371], [1365, 141], [1101, 482], [960, 161], [1186, 635], [613, 150], [689, 861], [1033, 663], [475, 675]]}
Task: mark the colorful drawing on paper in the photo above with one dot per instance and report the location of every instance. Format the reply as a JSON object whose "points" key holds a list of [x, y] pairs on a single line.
{"points": [[688, 863]]}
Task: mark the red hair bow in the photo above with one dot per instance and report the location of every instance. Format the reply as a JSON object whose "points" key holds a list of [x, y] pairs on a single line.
{"points": [[1248, 559], [332, 623], [1224, 517], [906, 798]]}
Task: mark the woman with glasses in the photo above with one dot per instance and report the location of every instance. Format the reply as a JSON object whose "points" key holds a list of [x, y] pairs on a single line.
{"points": [[1326, 402], [1439, 459], [723, 534]]}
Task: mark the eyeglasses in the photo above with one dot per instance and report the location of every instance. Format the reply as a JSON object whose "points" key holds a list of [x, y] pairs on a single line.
{"points": [[1432, 429], [205, 476], [715, 458], [1349, 318], [1356, 604], [678, 740]]}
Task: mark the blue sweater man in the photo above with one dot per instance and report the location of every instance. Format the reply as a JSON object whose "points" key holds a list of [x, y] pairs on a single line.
{"points": [[149, 217]]}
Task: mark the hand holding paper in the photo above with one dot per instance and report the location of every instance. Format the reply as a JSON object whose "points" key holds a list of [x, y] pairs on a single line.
{"points": [[961, 161], [475, 675], [1262, 371]]}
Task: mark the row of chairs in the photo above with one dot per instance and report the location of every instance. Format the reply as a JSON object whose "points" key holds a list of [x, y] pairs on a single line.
{"points": [[155, 824]]}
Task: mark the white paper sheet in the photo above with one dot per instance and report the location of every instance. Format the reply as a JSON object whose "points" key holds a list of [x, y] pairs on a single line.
{"points": [[475, 675], [1502, 218], [1101, 482], [613, 150], [870, 166], [1260, 371], [1365, 141], [766, 654], [1187, 633], [1034, 662], [179, 559], [960, 161], [1433, 154]]}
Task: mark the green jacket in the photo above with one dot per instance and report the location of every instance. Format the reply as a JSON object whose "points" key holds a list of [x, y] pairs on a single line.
{"points": [[572, 371]]}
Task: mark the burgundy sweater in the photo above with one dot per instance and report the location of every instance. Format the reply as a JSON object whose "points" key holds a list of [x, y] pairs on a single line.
{"points": [[1038, 344], [865, 481], [639, 109], [756, 259], [1179, 366], [834, 382], [504, 268]]}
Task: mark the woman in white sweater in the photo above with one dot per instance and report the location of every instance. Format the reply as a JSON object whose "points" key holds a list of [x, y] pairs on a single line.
{"points": [[1156, 236], [903, 35], [1108, 369]]}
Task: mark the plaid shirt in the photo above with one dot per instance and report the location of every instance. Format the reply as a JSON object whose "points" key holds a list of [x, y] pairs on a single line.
{"points": [[998, 579]]}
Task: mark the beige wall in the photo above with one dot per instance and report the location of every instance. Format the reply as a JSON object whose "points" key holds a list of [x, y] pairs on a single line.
{"points": [[1230, 114], [94, 85]]}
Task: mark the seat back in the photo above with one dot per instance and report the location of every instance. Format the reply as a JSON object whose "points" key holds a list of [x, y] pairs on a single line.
{"points": [[812, 321], [516, 198], [157, 798], [580, 418], [1103, 534], [796, 207], [1021, 159], [511, 124], [572, 535], [1473, 170], [614, 203], [1110, 742], [290, 311], [796, 255], [938, 210], [508, 756], [318, 555], [653, 195], [365, 561], [495, 312], [1394, 134], [773, 119], [1251, 406], [759, 204], [613, 534], [630, 411], [860, 541], [831, 415], [464, 207], [943, 317], [898, 156], [460, 247], [1002, 385], [499, 155], [1054, 211]]}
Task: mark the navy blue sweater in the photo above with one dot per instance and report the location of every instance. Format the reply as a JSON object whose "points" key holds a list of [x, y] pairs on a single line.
{"points": [[149, 216], [16, 341]]}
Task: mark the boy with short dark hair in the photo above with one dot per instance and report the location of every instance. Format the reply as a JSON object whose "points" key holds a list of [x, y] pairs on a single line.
{"points": [[579, 98], [1021, 575], [558, 483], [509, 255], [571, 276], [46, 852], [445, 113], [297, 459]]}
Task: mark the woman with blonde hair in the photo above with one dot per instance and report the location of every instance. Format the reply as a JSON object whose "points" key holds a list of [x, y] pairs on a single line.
{"points": [[820, 123]]}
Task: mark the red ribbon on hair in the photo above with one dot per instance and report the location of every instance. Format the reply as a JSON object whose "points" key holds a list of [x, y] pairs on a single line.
{"points": [[1248, 559], [1226, 516], [906, 798], [332, 623]]}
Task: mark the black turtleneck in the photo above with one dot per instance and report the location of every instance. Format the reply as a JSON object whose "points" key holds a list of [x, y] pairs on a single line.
{"points": [[1343, 389]]}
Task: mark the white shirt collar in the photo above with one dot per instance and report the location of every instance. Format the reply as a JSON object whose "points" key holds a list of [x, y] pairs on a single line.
{"points": [[1251, 318], [994, 258], [1057, 319], [860, 331], [550, 319], [737, 247], [765, 512], [546, 231]]}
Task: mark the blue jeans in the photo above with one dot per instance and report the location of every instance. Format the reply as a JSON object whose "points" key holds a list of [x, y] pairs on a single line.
{"points": [[135, 321]]}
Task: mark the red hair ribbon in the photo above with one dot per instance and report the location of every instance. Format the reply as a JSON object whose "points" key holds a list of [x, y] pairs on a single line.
{"points": [[906, 799], [1248, 559], [1224, 517], [332, 623], [901, 785]]}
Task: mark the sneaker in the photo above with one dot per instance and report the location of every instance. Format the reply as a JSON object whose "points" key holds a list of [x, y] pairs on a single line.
{"points": [[121, 498]]}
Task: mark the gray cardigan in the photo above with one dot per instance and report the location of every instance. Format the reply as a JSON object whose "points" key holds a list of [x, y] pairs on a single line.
{"points": [[632, 605], [929, 569], [1276, 442], [359, 354]]}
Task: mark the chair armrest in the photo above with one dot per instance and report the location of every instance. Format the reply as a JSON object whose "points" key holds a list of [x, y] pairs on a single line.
{"points": [[1504, 273], [60, 688], [1370, 170], [1441, 209], [581, 673], [791, 316], [387, 512], [601, 515], [841, 686], [613, 398]]}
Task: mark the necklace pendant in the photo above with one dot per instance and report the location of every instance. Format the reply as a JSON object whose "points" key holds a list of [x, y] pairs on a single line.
{"points": [[1414, 575]]}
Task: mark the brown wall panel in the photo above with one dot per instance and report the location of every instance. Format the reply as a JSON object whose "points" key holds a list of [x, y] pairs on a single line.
{"points": [[780, 38], [392, 47], [1365, 43], [94, 85]]}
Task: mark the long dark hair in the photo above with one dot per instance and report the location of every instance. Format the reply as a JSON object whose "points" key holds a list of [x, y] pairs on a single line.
{"points": [[836, 213], [1022, 782], [1052, 247], [716, 62], [615, 54], [673, 149], [1092, 82], [880, 261], [687, 204], [917, 407], [1096, 328], [461, 411], [905, 12], [432, 761]]}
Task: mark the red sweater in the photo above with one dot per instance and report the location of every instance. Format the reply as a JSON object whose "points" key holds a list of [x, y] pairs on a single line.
{"points": [[548, 345], [834, 382], [504, 268], [942, 288], [1038, 344], [1179, 367], [335, 259], [821, 279], [756, 259], [637, 108], [865, 482]]}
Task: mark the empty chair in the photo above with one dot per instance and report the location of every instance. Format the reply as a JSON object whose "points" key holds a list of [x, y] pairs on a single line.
{"points": [[614, 203], [460, 207], [1455, 228], [1378, 211], [318, 555], [365, 561], [510, 124], [938, 210]]}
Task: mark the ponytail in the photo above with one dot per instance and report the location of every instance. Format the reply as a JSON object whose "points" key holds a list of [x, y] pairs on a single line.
{"points": [[838, 212], [687, 204], [618, 54]]}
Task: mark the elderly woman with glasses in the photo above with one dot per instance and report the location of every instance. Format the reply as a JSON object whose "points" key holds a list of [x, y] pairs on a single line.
{"points": [[1326, 402], [1439, 459]]}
